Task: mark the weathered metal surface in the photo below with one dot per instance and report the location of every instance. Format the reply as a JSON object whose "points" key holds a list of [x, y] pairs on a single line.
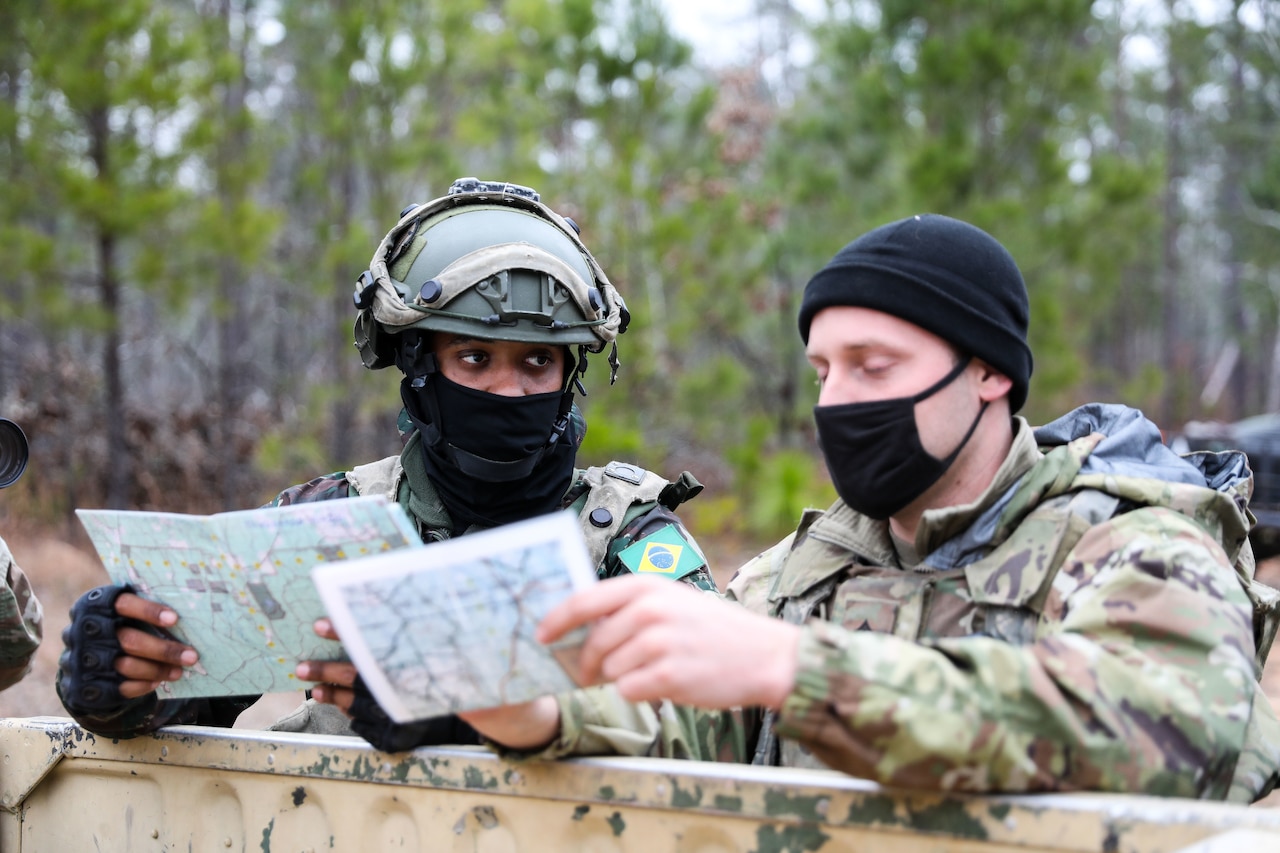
{"points": [[193, 788]]}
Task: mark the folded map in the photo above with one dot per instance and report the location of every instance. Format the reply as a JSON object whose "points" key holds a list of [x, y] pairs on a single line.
{"points": [[241, 581], [450, 627]]}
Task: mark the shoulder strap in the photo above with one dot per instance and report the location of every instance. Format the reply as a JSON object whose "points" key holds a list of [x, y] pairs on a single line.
{"points": [[377, 478], [1021, 570], [617, 493]]}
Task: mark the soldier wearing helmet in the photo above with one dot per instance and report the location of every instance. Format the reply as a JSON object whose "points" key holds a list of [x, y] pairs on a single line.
{"points": [[489, 305]]}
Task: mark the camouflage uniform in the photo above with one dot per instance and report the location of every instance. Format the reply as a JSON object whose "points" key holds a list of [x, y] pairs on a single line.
{"points": [[21, 621], [1089, 623], [640, 519], [487, 261]]}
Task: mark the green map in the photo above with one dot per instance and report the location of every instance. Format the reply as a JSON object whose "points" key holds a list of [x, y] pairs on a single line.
{"points": [[241, 581]]}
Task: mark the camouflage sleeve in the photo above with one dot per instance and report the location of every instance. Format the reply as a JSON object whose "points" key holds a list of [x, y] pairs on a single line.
{"points": [[329, 487], [599, 722], [1140, 679], [21, 621], [651, 519]]}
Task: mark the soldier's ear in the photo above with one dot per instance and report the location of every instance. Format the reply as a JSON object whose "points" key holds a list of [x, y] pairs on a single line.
{"points": [[992, 384]]}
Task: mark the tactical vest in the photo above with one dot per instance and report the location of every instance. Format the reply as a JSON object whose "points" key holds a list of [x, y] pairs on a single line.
{"points": [[617, 493], [1002, 595]]}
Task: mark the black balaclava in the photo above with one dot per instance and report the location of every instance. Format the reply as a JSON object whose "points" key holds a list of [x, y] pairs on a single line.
{"points": [[494, 459]]}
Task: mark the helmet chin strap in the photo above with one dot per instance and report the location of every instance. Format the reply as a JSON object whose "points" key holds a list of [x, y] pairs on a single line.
{"points": [[418, 363], [415, 358]]}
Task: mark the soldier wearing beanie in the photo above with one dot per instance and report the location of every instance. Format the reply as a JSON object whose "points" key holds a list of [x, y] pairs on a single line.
{"points": [[988, 606]]}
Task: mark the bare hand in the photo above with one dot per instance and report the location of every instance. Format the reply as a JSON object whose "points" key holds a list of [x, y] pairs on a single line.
{"points": [[336, 677], [529, 725], [661, 640], [148, 660]]}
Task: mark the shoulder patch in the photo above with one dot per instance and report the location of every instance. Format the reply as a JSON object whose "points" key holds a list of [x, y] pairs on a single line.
{"points": [[665, 553]]}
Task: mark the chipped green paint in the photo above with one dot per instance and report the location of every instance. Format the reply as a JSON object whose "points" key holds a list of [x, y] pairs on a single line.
{"points": [[616, 823], [429, 771], [472, 777], [778, 803], [789, 839], [512, 777], [950, 817], [363, 768], [402, 770], [727, 804], [321, 767], [607, 793], [1000, 811], [579, 812], [683, 799], [266, 836], [947, 816], [370, 768], [874, 809]]}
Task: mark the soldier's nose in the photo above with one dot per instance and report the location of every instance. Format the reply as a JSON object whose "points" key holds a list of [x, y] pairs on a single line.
{"points": [[506, 383]]}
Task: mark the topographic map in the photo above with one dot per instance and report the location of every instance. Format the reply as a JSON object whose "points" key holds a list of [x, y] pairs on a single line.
{"points": [[450, 627], [241, 581]]}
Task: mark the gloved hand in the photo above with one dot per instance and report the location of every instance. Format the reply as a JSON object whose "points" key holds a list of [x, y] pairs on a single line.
{"points": [[88, 681], [372, 723]]}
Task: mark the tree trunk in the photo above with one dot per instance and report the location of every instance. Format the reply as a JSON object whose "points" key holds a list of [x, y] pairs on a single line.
{"points": [[1170, 266], [232, 320], [119, 485]]}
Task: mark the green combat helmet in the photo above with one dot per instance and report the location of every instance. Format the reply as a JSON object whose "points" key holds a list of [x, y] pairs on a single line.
{"points": [[487, 260]]}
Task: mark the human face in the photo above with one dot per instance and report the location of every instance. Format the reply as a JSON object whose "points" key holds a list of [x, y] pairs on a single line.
{"points": [[863, 355], [505, 368]]}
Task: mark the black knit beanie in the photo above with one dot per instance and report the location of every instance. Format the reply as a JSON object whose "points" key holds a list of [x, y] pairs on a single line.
{"points": [[946, 276]]}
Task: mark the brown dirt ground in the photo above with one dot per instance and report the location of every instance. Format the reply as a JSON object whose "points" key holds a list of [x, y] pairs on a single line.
{"points": [[60, 572]]}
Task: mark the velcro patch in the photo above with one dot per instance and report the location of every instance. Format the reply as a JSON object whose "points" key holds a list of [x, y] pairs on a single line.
{"points": [[665, 553]]}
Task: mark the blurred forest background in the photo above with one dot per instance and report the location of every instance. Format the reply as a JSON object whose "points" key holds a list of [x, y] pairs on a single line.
{"points": [[190, 188]]}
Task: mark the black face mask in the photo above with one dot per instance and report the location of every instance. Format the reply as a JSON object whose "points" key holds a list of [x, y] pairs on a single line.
{"points": [[493, 459], [874, 454]]}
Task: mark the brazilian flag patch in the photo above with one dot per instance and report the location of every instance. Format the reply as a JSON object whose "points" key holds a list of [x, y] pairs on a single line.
{"points": [[664, 553]]}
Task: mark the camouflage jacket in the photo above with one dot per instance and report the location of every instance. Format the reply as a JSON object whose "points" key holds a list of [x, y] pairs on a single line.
{"points": [[636, 503], [1086, 624], [21, 621]]}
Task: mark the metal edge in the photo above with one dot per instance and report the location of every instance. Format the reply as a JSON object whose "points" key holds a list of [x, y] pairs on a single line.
{"points": [[776, 795]]}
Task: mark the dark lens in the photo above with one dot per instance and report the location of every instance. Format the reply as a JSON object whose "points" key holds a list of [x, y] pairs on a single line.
{"points": [[13, 453]]}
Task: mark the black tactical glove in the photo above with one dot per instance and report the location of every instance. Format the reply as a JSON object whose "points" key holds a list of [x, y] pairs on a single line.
{"points": [[372, 723], [87, 680]]}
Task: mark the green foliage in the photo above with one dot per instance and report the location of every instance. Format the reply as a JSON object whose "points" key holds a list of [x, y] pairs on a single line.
{"points": [[280, 456], [789, 481], [241, 161], [772, 487], [611, 437]]}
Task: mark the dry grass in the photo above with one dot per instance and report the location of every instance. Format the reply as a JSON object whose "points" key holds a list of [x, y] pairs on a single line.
{"points": [[61, 572]]}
